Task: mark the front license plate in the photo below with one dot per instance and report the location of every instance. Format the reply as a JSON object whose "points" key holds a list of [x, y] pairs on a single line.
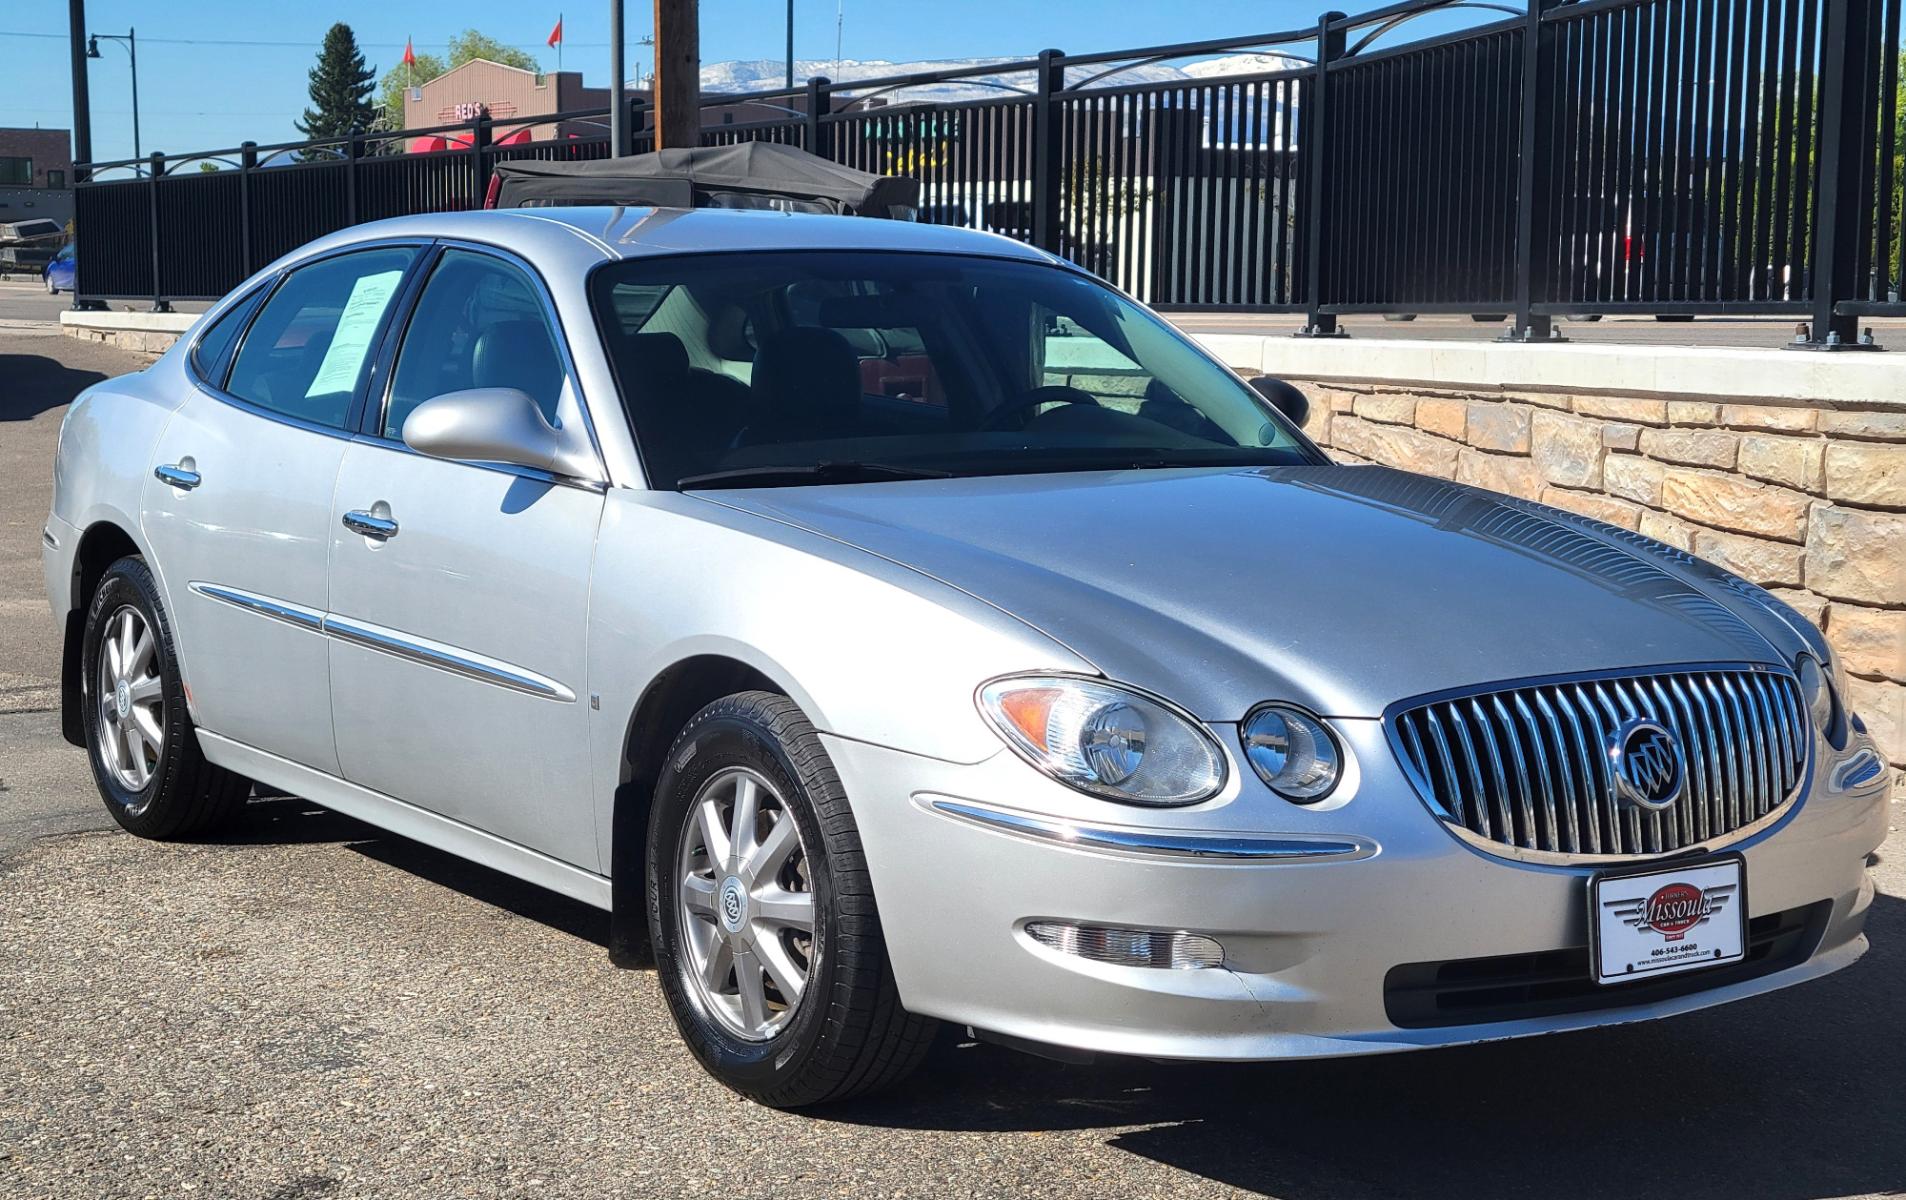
{"points": [[1658, 922]]}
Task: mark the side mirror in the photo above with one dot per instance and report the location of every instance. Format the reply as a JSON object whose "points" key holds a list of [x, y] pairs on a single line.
{"points": [[501, 425], [1284, 398]]}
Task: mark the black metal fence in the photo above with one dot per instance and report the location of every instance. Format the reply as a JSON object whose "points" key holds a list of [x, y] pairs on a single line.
{"points": [[1579, 157]]}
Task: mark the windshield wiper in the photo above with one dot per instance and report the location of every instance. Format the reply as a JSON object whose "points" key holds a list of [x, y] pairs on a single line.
{"points": [[847, 471]]}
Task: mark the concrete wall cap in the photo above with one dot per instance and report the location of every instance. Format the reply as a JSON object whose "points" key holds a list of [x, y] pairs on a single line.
{"points": [[128, 322], [1766, 376]]}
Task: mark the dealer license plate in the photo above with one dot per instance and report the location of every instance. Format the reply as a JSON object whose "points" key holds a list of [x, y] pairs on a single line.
{"points": [[1659, 922]]}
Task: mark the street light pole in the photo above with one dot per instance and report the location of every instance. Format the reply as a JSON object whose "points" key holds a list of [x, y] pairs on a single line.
{"points": [[132, 50], [790, 45]]}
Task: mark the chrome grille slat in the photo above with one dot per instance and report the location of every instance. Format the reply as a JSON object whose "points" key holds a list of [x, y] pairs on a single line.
{"points": [[1764, 787], [1526, 767]]}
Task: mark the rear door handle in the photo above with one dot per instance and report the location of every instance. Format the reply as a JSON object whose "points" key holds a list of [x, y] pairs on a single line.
{"points": [[178, 476], [381, 528]]}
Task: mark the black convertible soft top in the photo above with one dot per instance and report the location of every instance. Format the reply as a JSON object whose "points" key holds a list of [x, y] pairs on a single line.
{"points": [[748, 175]]}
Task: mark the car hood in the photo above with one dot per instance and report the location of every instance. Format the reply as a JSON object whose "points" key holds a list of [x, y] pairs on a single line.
{"points": [[1341, 588]]}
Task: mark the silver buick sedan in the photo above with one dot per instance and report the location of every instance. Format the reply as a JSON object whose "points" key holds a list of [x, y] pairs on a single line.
{"points": [[892, 625]]}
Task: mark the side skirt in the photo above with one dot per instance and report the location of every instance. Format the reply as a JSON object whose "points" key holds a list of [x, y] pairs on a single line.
{"points": [[407, 820]]}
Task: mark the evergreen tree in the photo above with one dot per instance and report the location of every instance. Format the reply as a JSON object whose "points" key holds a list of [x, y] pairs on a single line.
{"points": [[341, 86]]}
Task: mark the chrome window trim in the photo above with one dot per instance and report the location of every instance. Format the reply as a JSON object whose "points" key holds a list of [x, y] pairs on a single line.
{"points": [[380, 402], [269, 289], [1203, 847], [1783, 810]]}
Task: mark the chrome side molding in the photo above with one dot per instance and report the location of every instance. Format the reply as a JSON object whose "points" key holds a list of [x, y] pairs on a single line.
{"points": [[392, 642], [1217, 847], [444, 658], [264, 606]]}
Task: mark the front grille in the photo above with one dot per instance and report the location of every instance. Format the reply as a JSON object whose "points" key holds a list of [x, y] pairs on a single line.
{"points": [[1527, 768], [1514, 987]]}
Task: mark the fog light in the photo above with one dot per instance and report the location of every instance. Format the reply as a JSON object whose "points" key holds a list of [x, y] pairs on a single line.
{"points": [[1170, 950]]}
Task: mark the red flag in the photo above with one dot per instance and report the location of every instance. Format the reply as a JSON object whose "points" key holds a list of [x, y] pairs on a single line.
{"points": [[556, 34], [410, 56]]}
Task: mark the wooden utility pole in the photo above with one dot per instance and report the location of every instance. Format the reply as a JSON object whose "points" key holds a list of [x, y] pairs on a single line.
{"points": [[678, 70]]}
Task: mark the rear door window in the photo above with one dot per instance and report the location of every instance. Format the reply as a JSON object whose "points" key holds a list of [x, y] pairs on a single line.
{"points": [[208, 355], [307, 353]]}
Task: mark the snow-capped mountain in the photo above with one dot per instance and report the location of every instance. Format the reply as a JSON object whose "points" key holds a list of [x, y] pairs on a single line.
{"points": [[762, 74]]}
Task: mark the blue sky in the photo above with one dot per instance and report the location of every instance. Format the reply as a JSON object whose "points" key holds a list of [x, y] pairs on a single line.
{"points": [[196, 93]]}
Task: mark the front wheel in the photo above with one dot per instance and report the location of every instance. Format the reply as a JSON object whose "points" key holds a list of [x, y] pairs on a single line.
{"points": [[141, 741], [51, 289], [767, 943]]}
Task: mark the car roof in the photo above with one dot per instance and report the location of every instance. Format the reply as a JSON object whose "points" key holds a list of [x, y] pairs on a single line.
{"points": [[612, 232]]}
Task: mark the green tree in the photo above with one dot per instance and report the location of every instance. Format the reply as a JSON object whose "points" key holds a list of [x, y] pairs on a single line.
{"points": [[340, 87], [470, 44], [1899, 185], [390, 89], [465, 46]]}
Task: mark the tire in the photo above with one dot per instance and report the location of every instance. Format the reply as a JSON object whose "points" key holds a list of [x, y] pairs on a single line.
{"points": [[846, 1033], [163, 792], [51, 290]]}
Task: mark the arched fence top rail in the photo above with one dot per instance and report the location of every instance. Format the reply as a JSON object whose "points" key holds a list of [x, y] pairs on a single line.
{"points": [[1529, 160]]}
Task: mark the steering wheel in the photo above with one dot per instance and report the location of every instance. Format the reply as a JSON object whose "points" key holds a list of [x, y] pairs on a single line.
{"points": [[1001, 418]]}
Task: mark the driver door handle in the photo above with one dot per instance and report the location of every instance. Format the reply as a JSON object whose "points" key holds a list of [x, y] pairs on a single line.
{"points": [[177, 476], [381, 528]]}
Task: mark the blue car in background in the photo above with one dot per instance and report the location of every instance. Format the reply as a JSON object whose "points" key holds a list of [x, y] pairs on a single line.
{"points": [[62, 273]]}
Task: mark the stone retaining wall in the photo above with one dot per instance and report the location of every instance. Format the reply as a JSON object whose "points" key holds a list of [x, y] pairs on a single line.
{"points": [[150, 334], [1808, 501]]}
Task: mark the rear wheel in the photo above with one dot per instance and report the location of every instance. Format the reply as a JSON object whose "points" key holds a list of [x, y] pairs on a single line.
{"points": [[767, 942], [140, 739], [51, 290]]}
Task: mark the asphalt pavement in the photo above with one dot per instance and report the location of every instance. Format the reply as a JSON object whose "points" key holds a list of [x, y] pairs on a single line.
{"points": [[308, 1007]]}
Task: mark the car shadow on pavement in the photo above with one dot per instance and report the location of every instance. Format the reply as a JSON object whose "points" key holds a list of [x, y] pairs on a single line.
{"points": [[38, 382], [1792, 1095], [288, 820]]}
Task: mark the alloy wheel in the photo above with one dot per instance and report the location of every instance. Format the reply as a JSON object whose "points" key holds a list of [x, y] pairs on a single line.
{"points": [[131, 699], [744, 905]]}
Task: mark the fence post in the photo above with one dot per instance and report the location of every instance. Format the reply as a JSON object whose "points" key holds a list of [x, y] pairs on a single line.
{"points": [[1316, 151], [820, 102], [480, 157], [1047, 135], [1848, 104], [637, 122], [1534, 185], [155, 169], [353, 150], [247, 162]]}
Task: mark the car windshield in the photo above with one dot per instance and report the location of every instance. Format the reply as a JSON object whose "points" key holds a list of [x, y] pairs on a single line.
{"points": [[763, 369]]}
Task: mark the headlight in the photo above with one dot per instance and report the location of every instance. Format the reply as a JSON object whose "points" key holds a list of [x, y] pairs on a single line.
{"points": [[1104, 740], [1824, 695], [1292, 753]]}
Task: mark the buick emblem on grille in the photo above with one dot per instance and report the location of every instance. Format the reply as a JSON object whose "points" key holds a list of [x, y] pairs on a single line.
{"points": [[1645, 759]]}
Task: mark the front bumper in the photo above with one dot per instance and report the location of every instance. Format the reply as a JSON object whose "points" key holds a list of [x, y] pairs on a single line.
{"points": [[1308, 941]]}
